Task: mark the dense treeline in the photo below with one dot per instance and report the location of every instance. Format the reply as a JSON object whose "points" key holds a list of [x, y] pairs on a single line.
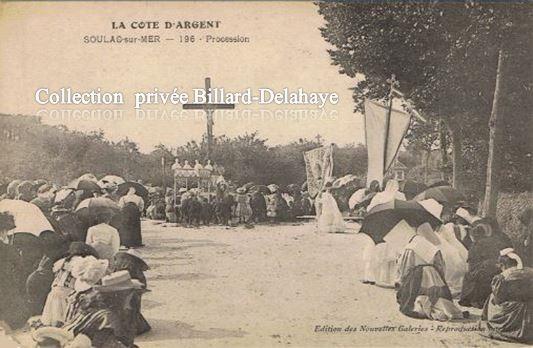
{"points": [[446, 58], [32, 150]]}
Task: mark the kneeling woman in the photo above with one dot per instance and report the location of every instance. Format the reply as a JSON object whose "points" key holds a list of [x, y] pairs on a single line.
{"points": [[422, 292], [508, 313]]}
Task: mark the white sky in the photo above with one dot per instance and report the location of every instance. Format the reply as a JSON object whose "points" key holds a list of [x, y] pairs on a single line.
{"points": [[41, 46]]}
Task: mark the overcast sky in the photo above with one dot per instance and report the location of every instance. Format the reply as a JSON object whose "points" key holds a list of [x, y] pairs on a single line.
{"points": [[42, 46]]}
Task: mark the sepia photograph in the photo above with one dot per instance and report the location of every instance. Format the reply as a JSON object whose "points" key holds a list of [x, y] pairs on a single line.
{"points": [[266, 174]]}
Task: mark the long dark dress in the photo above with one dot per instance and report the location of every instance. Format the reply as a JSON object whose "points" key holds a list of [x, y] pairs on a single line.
{"points": [[130, 228], [482, 267], [508, 313], [259, 207], [38, 285], [71, 227], [12, 305], [136, 267], [31, 251]]}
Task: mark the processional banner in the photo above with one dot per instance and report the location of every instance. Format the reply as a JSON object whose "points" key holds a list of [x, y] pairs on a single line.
{"points": [[379, 158], [319, 167]]}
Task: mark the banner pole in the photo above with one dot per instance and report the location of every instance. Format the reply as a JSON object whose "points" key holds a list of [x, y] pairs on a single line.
{"points": [[387, 124]]}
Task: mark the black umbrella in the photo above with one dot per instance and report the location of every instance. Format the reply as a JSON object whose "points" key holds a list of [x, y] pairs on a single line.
{"points": [[382, 218], [89, 209], [84, 185], [260, 188], [412, 188], [445, 195], [140, 189]]}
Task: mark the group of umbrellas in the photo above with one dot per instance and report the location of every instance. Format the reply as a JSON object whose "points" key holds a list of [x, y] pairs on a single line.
{"points": [[382, 218], [29, 218]]}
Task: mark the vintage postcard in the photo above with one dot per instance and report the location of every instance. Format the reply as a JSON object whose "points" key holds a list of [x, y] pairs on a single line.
{"points": [[266, 174]]}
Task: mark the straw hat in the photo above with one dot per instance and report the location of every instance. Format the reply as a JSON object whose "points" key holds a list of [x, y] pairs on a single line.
{"points": [[117, 281], [46, 333], [88, 271], [134, 255]]}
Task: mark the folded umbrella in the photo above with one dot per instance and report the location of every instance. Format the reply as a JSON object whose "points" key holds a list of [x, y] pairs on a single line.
{"points": [[382, 218]]}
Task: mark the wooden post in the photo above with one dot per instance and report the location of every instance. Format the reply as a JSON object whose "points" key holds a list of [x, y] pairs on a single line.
{"points": [[493, 163], [387, 123], [163, 171]]}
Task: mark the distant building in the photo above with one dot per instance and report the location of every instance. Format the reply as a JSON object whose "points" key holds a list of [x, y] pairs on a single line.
{"points": [[398, 171]]}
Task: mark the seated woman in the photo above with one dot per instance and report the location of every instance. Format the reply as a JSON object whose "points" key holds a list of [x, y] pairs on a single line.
{"points": [[482, 265], [12, 304], [132, 262], [104, 238], [422, 291], [55, 308], [508, 314]]}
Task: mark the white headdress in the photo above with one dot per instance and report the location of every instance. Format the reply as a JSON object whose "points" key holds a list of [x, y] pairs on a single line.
{"points": [[509, 252]]}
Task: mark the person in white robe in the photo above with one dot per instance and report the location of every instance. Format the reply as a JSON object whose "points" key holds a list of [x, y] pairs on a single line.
{"points": [[330, 219], [381, 256], [456, 266], [369, 252], [391, 192], [422, 291]]}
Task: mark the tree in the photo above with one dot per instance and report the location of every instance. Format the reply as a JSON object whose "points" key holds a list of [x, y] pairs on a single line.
{"points": [[445, 57]]}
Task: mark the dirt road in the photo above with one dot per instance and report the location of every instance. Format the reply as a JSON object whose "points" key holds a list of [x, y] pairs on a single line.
{"points": [[269, 286]]}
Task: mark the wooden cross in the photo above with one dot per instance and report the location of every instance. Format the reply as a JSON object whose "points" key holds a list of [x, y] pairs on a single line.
{"points": [[209, 109]]}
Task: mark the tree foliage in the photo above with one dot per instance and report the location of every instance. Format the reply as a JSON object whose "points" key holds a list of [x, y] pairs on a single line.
{"points": [[445, 57], [32, 150]]}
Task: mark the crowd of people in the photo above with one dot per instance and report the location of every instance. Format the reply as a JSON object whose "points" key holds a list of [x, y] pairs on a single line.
{"points": [[70, 262], [229, 205], [462, 257], [77, 276]]}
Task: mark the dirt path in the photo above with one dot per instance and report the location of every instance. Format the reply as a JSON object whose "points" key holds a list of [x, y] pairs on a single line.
{"points": [[271, 286]]}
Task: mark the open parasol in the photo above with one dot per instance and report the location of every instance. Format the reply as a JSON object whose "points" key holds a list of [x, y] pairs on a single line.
{"points": [[412, 188], [382, 218], [445, 195], [347, 181], [260, 188], [140, 189], [89, 209], [28, 217], [273, 188], [110, 180]]}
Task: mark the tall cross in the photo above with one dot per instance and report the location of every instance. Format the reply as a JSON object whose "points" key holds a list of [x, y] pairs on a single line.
{"points": [[209, 109]]}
